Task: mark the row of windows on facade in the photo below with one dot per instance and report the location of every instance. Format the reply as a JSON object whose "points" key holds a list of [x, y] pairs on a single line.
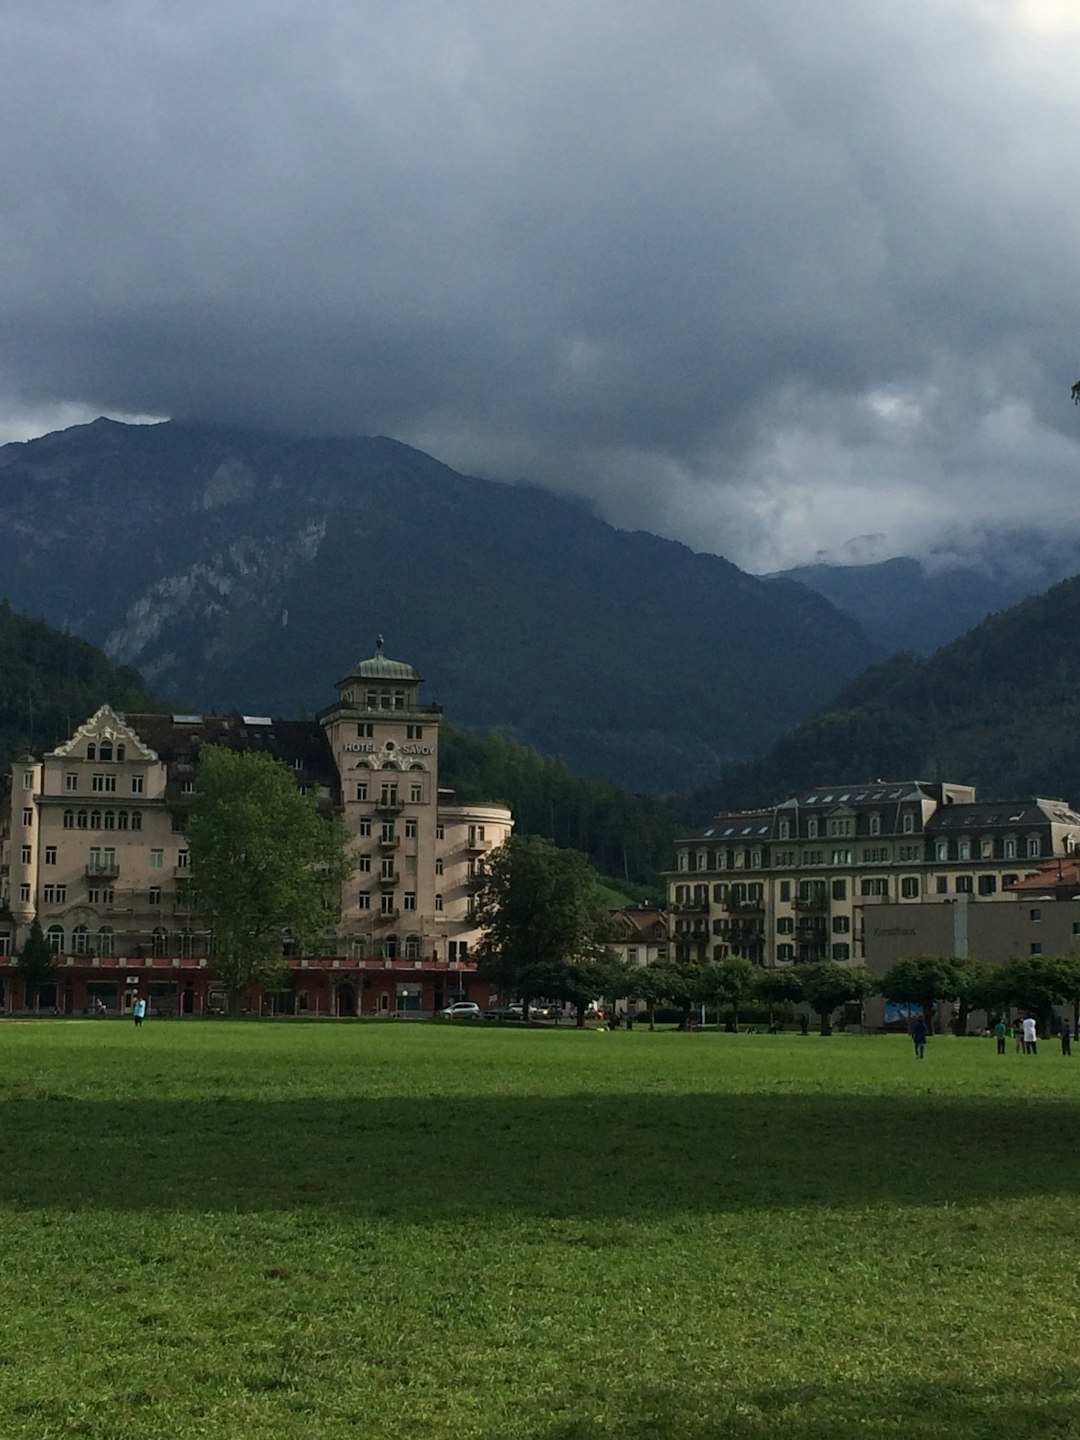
{"points": [[909, 887], [189, 944], [365, 730], [376, 698], [967, 848], [388, 794]]}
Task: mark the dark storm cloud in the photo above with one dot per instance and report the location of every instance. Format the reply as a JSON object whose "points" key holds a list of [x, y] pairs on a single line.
{"points": [[759, 276]]}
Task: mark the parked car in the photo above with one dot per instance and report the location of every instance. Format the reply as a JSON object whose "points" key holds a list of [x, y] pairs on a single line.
{"points": [[461, 1010], [504, 1012]]}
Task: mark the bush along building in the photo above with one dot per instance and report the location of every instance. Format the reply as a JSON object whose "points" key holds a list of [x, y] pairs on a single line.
{"points": [[799, 882], [92, 845]]}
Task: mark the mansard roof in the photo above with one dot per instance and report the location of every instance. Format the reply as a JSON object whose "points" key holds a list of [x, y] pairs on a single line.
{"points": [[1002, 815]]}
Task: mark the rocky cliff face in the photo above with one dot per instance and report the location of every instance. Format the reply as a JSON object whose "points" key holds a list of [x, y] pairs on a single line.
{"points": [[248, 571]]}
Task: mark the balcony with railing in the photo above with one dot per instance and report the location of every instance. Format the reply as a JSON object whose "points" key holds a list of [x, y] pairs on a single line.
{"points": [[819, 900], [388, 881], [389, 805], [102, 870]]}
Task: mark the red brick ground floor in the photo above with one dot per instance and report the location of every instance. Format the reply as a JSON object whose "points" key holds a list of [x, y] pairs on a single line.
{"points": [[89, 985]]}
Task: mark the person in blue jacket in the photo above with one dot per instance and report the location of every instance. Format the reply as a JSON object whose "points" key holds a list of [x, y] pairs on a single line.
{"points": [[919, 1033]]}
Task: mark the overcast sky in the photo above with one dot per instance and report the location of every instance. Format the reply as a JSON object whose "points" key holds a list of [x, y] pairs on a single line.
{"points": [[761, 275]]}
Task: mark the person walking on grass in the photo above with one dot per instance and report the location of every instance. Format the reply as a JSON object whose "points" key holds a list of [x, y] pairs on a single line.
{"points": [[1031, 1036], [139, 1011], [1066, 1038], [1000, 1030], [919, 1033], [1018, 1033]]}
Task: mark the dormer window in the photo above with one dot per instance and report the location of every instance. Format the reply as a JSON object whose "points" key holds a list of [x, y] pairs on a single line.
{"points": [[909, 823], [875, 824], [811, 829], [785, 829]]}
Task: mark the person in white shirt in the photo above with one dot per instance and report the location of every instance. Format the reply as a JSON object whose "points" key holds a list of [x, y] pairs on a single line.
{"points": [[1031, 1036]]}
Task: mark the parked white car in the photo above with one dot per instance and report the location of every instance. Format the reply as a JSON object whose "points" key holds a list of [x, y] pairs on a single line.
{"points": [[461, 1010]]}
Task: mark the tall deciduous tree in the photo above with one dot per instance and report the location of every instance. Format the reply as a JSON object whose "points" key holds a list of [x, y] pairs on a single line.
{"points": [[830, 985], [926, 979], [727, 982], [263, 860], [35, 964], [543, 916]]}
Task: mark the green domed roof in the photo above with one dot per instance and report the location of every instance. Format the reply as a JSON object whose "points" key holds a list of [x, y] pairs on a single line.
{"points": [[381, 667]]}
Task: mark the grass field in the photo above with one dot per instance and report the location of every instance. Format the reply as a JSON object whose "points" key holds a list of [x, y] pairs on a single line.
{"points": [[286, 1230]]}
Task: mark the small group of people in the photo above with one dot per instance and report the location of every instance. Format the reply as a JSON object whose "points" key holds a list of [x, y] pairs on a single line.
{"points": [[1024, 1029], [1025, 1032]]}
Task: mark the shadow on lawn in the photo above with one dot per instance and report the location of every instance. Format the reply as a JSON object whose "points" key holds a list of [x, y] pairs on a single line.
{"points": [[581, 1155], [1004, 1410]]}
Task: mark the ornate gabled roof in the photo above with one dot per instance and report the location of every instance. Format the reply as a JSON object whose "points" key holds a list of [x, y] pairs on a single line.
{"points": [[105, 724]]}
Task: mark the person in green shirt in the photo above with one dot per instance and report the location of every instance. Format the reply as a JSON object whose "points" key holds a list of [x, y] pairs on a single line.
{"points": [[1000, 1032]]}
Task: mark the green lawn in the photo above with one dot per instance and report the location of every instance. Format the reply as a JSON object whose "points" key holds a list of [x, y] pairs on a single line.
{"points": [[290, 1230]]}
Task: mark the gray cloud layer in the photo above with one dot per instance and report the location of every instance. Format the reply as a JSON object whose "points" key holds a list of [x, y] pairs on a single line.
{"points": [[758, 276]]}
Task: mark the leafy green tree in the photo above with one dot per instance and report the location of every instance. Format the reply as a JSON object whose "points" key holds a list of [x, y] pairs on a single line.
{"points": [[35, 963], [1037, 983], [779, 989], [264, 860], [830, 985], [982, 988], [654, 984], [543, 916], [925, 979], [726, 982]]}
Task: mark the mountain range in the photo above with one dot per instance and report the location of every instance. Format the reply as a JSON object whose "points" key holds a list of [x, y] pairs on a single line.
{"points": [[246, 570], [920, 604]]}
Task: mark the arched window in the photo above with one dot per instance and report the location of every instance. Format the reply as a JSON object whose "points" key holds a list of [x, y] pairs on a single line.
{"points": [[136, 819], [81, 820], [80, 940], [95, 819], [55, 937], [412, 947], [110, 819], [186, 941], [105, 940], [120, 752], [358, 947], [69, 819], [121, 820], [390, 947], [416, 765], [91, 751], [159, 942], [105, 752]]}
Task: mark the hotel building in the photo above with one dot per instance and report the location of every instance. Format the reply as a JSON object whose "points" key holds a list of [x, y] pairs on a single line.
{"points": [[92, 843], [795, 883]]}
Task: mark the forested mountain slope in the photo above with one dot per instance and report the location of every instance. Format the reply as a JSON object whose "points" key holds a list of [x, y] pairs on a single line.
{"points": [[998, 708]]}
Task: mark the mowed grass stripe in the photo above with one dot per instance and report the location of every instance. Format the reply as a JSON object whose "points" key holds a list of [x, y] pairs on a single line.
{"points": [[275, 1230]]}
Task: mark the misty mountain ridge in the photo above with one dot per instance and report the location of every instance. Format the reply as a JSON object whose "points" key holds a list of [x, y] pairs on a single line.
{"points": [[247, 570], [919, 604]]}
